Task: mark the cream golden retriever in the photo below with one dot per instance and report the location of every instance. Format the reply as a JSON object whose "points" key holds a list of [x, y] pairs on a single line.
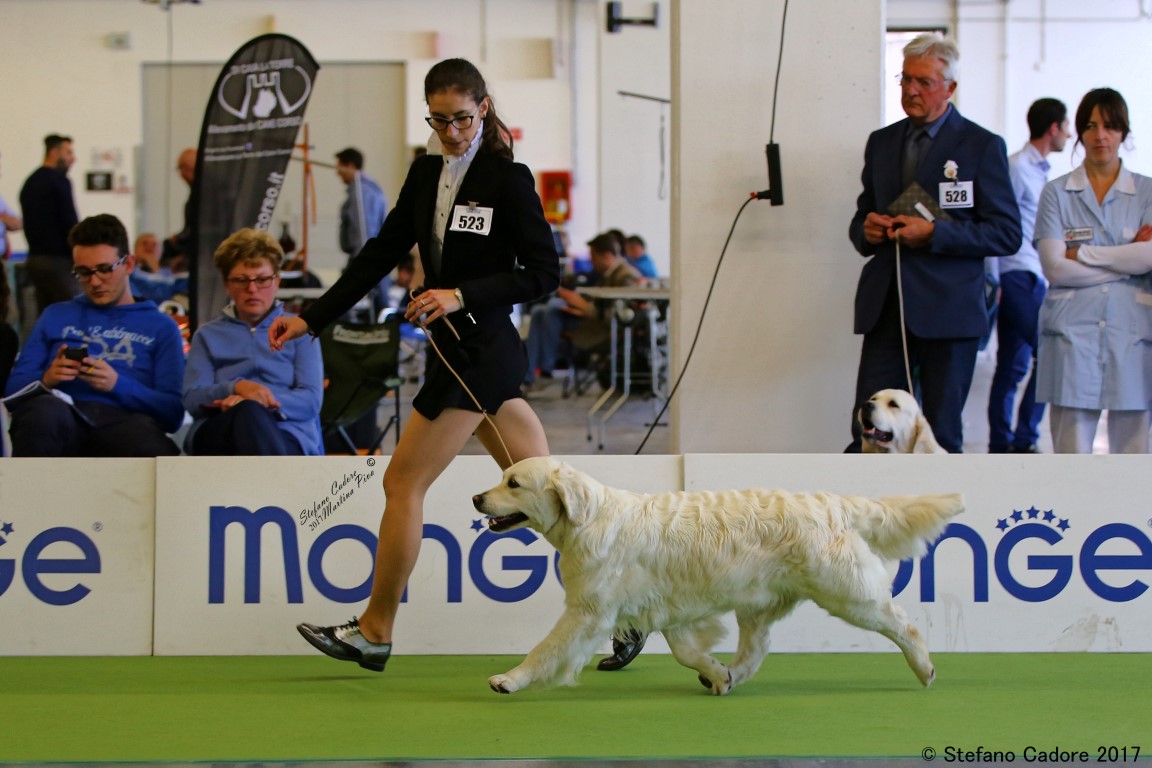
{"points": [[675, 562], [891, 422]]}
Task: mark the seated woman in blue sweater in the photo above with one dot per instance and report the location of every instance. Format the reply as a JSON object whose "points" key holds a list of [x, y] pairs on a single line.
{"points": [[246, 400]]}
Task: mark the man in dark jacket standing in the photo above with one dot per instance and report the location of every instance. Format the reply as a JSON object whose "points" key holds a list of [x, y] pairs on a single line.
{"points": [[934, 158], [49, 214]]}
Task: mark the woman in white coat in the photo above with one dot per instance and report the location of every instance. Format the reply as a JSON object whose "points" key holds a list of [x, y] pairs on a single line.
{"points": [[1092, 233]]}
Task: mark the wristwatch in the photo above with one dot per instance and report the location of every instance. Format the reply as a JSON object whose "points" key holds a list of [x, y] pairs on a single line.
{"points": [[459, 297]]}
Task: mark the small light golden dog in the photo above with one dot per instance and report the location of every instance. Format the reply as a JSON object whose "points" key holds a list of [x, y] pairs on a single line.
{"points": [[891, 422], [675, 562]]}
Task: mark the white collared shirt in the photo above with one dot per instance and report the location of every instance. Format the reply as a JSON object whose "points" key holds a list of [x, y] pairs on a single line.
{"points": [[451, 177]]}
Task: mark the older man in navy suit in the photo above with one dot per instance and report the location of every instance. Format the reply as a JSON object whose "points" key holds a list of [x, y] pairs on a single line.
{"points": [[962, 173]]}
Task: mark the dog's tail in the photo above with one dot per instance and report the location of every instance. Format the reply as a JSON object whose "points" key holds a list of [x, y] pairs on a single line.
{"points": [[898, 527]]}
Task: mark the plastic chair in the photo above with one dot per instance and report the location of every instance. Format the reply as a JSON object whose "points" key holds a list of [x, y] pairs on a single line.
{"points": [[361, 365]]}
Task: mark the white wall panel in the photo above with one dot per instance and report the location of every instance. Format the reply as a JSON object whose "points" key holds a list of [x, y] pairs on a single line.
{"points": [[76, 557]]}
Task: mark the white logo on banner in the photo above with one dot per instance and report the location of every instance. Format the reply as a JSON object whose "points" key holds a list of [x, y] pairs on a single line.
{"points": [[263, 90]]}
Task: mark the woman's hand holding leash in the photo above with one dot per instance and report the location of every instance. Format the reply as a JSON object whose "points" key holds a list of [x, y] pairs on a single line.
{"points": [[432, 304]]}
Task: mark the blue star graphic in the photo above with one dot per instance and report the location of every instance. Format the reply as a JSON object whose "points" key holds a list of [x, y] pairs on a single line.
{"points": [[7, 528], [1033, 513], [1049, 516], [477, 525], [1002, 524], [1063, 525], [1017, 515]]}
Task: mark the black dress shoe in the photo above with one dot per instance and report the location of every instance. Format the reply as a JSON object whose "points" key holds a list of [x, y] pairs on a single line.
{"points": [[624, 650], [346, 643], [1026, 449]]}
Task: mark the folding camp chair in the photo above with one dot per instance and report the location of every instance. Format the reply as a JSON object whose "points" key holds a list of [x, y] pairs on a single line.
{"points": [[361, 365]]}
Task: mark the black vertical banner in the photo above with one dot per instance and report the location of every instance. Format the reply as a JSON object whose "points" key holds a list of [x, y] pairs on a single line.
{"points": [[250, 127]]}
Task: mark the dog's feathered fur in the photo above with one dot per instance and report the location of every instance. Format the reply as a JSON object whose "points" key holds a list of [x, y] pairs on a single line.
{"points": [[891, 422], [674, 562]]}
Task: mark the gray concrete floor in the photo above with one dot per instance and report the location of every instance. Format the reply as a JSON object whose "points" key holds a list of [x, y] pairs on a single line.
{"points": [[566, 420]]}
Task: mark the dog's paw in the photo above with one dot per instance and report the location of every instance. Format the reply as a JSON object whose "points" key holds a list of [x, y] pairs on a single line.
{"points": [[718, 689], [502, 684]]}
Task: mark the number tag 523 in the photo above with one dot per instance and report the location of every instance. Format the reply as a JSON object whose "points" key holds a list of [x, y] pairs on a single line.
{"points": [[957, 194], [474, 219]]}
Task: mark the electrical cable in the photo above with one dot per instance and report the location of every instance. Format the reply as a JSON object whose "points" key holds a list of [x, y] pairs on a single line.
{"points": [[699, 326], [776, 87], [724, 250]]}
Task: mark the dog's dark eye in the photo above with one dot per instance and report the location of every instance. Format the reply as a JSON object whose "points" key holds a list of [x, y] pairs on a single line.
{"points": [[892, 404], [512, 483]]}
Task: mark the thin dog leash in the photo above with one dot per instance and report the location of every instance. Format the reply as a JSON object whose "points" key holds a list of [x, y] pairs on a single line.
{"points": [[412, 295], [903, 329]]}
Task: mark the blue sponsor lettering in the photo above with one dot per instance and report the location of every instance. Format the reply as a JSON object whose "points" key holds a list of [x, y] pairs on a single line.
{"points": [[252, 524], [34, 565], [960, 545], [1061, 567], [1091, 561], [534, 568]]}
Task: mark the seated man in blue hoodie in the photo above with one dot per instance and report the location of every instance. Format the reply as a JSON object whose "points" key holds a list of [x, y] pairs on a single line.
{"points": [[245, 399], [115, 364]]}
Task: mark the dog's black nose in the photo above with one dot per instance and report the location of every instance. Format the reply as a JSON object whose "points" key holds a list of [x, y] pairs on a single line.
{"points": [[868, 406], [478, 500]]}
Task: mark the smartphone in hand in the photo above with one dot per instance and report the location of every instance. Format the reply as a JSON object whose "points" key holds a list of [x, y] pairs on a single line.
{"points": [[76, 353]]}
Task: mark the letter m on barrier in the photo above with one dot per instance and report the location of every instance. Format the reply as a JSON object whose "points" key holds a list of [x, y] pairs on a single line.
{"points": [[252, 524]]}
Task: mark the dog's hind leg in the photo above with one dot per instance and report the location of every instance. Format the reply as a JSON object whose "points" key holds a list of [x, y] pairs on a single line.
{"points": [[890, 620], [753, 644], [690, 646], [559, 657]]}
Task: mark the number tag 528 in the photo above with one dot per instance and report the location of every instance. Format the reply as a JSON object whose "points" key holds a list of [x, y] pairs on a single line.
{"points": [[957, 194], [474, 219]]}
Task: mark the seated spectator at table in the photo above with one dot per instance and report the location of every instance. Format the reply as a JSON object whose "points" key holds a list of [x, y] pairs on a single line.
{"points": [[637, 254], [569, 310], [246, 400], [115, 364]]}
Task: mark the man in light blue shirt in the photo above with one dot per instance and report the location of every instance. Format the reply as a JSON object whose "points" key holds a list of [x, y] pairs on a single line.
{"points": [[362, 213], [1022, 289]]}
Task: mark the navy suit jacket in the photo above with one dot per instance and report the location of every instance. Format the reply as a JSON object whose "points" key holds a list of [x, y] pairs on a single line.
{"points": [[514, 263], [943, 282]]}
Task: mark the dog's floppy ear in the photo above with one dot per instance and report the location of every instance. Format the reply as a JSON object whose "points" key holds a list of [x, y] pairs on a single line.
{"points": [[574, 491], [925, 441]]}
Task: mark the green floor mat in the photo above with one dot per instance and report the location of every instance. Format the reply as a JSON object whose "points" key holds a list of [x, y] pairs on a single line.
{"points": [[440, 707]]}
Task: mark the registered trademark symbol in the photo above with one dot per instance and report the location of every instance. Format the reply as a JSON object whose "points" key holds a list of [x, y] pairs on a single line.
{"points": [[1150, 522], [372, 463], [97, 527]]}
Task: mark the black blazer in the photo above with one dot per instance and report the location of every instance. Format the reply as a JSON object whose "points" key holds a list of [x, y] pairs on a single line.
{"points": [[514, 263], [943, 283]]}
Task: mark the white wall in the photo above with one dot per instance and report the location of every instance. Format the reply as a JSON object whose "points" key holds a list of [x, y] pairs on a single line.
{"points": [[61, 77], [637, 170], [1015, 52], [774, 369]]}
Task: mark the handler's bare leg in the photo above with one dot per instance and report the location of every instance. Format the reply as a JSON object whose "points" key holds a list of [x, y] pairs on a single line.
{"points": [[426, 449]]}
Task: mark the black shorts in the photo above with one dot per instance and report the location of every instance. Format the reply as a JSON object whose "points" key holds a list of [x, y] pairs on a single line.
{"points": [[491, 359]]}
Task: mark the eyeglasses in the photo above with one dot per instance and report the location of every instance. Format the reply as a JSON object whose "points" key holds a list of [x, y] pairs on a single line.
{"points": [[263, 281], [922, 83], [459, 123], [83, 273]]}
